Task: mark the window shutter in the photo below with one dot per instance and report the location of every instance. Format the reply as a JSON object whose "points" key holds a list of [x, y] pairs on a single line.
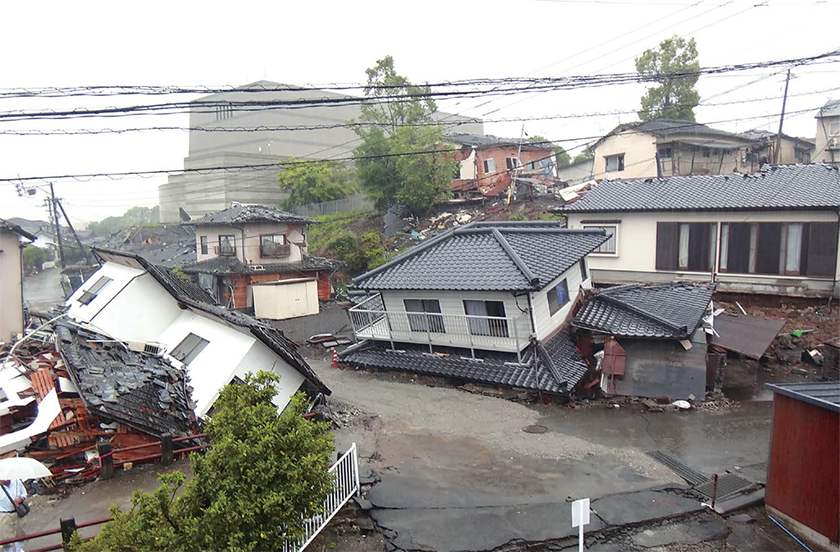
{"points": [[822, 248], [667, 245]]}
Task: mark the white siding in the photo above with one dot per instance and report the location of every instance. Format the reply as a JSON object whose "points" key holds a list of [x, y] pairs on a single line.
{"points": [[545, 322], [452, 302], [260, 357]]}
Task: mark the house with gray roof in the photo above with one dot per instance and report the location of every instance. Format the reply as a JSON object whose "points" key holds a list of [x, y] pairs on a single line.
{"points": [[772, 232], [650, 336], [827, 146], [485, 302], [253, 256], [667, 147]]}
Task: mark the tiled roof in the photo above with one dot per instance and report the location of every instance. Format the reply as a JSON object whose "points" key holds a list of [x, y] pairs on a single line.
{"points": [[232, 265], [479, 141], [238, 214], [17, 230], [774, 187], [489, 256], [673, 127], [136, 389], [830, 109], [666, 311], [536, 373]]}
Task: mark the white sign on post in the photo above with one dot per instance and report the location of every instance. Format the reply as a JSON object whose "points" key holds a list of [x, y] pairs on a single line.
{"points": [[580, 517]]}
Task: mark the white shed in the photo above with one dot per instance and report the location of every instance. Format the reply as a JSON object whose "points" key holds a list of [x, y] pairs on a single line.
{"points": [[285, 298]]}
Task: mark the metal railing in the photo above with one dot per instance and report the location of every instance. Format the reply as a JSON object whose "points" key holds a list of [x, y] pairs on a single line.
{"points": [[346, 471], [495, 333]]}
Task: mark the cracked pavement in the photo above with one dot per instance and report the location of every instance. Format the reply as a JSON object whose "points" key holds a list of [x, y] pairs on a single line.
{"points": [[453, 471]]}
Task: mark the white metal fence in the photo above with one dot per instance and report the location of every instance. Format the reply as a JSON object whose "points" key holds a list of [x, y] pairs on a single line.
{"points": [[346, 471]]}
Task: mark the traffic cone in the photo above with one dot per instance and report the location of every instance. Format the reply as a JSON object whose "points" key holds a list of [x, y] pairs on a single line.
{"points": [[335, 358]]}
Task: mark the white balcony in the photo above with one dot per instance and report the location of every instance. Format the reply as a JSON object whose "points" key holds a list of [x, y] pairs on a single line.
{"points": [[492, 333]]}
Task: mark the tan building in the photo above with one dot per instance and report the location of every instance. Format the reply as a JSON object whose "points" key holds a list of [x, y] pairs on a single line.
{"points": [[11, 279], [792, 150], [666, 147], [827, 147]]}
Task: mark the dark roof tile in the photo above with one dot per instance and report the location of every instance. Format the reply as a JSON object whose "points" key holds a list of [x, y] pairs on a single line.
{"points": [[238, 214]]}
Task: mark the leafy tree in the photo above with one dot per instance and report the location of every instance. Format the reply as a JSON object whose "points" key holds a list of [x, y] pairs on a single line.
{"points": [[133, 217], [561, 157], [263, 473], [387, 165], [315, 182], [33, 257], [675, 96], [586, 155]]}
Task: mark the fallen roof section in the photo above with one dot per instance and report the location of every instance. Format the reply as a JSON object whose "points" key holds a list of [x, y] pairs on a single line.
{"points": [[746, 335], [825, 394], [136, 389], [500, 256], [232, 265], [663, 311], [17, 230], [240, 214]]}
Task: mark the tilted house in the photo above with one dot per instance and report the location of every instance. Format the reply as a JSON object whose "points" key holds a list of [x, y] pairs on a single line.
{"points": [[483, 302], [257, 256], [773, 232], [157, 311], [653, 343]]}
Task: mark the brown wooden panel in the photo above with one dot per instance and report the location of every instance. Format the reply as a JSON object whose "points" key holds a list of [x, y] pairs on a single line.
{"points": [[738, 260], [769, 247], [822, 248], [667, 245]]}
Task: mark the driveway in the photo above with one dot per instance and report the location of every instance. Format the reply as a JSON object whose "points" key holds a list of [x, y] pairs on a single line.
{"points": [[455, 470]]}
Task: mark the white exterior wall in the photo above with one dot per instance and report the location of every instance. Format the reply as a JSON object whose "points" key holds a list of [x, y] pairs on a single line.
{"points": [[248, 241], [639, 156], [635, 258], [546, 323], [11, 285], [281, 301], [132, 307], [822, 153], [468, 169], [260, 357], [452, 302]]}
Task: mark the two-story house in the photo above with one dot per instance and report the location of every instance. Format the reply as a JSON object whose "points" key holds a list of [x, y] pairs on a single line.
{"points": [[772, 232], [827, 147], [11, 279], [489, 165], [485, 302], [256, 256], [159, 312], [667, 147]]}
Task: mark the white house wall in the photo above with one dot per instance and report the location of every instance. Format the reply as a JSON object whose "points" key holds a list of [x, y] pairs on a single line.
{"points": [[546, 323], [11, 285], [138, 308], [452, 302], [260, 357], [635, 260], [248, 251]]}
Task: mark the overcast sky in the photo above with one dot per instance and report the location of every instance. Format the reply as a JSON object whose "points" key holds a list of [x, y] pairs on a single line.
{"points": [[233, 43]]}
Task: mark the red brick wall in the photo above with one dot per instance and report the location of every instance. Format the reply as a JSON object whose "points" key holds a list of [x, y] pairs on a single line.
{"points": [[803, 471], [241, 283], [500, 179]]}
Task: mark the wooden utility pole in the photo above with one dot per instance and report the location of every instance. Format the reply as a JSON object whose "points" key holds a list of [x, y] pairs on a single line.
{"points": [[57, 227], [781, 122]]}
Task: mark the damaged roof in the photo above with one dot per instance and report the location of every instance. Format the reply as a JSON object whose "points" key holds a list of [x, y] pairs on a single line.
{"points": [[17, 230], [665, 311], [554, 368], [133, 388], [485, 141], [232, 265], [239, 214], [674, 127], [774, 187], [495, 256]]}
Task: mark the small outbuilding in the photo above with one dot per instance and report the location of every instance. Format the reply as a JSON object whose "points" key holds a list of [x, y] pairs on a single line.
{"points": [[287, 298], [803, 478]]}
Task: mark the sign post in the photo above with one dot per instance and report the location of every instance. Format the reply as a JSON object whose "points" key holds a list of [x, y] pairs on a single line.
{"points": [[580, 517]]}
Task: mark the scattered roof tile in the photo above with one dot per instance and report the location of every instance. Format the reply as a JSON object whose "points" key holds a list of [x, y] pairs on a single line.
{"points": [[17, 229], [232, 265], [665, 311], [774, 187], [239, 213], [483, 141]]}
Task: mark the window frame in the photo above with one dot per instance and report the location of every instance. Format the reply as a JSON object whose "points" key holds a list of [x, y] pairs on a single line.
{"points": [[620, 163], [204, 245], [284, 242], [186, 357], [231, 238], [419, 321], [487, 325], [512, 163], [87, 296], [556, 306], [614, 239], [486, 165]]}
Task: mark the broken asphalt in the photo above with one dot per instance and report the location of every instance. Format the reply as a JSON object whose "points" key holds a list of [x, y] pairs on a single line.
{"points": [[453, 471]]}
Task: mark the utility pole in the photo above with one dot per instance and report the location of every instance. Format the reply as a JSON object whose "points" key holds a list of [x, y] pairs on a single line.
{"points": [[781, 122], [57, 226], [73, 230]]}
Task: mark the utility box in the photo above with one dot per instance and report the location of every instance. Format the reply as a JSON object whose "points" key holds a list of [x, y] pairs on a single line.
{"points": [[286, 298]]}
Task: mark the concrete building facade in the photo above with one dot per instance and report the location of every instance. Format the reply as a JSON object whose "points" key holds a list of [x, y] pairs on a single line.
{"points": [[11, 279]]}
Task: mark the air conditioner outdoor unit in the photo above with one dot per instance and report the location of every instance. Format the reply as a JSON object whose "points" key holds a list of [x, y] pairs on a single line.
{"points": [[833, 143], [257, 267], [143, 347]]}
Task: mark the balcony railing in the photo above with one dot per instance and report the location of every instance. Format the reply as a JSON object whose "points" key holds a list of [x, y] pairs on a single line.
{"points": [[225, 250], [508, 334], [275, 251]]}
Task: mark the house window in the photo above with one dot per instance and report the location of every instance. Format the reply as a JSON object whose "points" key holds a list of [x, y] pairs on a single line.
{"points": [[583, 274], [666, 153], [486, 318], [512, 163], [203, 242], [88, 296], [834, 128], [802, 155], [274, 245], [489, 166], [609, 246], [224, 112], [685, 246], [789, 249], [614, 163], [429, 321], [532, 165], [227, 246], [558, 297], [189, 348]]}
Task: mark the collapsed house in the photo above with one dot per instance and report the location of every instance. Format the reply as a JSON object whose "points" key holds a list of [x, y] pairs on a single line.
{"points": [[484, 302]]}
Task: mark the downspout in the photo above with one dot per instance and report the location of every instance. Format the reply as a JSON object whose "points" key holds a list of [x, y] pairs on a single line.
{"points": [[22, 300]]}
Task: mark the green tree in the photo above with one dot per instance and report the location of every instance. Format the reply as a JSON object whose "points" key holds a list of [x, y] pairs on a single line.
{"points": [[561, 157], [388, 166], [33, 257], [315, 182], [133, 217], [586, 155], [250, 491], [675, 69]]}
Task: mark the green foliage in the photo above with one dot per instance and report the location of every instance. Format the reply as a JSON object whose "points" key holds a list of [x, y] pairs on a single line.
{"points": [[249, 492], [675, 96], [179, 272], [34, 257], [387, 166], [315, 182], [586, 155], [562, 158], [339, 234], [133, 217], [548, 216], [518, 217]]}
